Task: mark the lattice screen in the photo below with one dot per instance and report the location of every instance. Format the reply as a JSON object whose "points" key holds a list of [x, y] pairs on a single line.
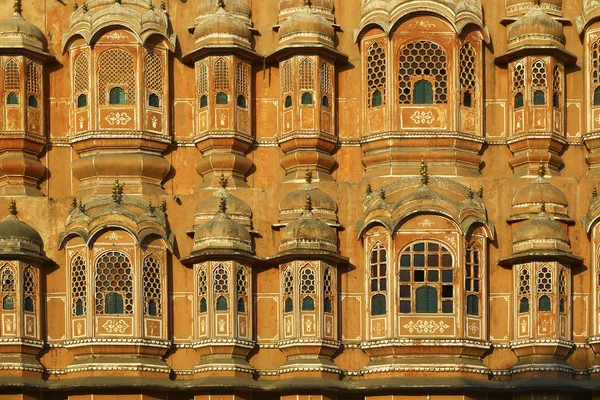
{"points": [[306, 74], [154, 73], [114, 275], [81, 79], [33, 75], [12, 80], [241, 79], [152, 284], [116, 68], [78, 284], [286, 77], [425, 59], [376, 71], [221, 74]]}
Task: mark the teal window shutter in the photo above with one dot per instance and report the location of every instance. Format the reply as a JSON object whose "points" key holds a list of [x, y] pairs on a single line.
{"points": [[117, 96], [308, 304], [222, 303], [81, 101], [79, 307], [519, 100], [426, 299], [203, 305], [597, 96], [544, 303], [289, 305], [376, 99], [472, 305], [222, 98], [524, 305], [423, 92], [378, 304], [539, 98], [12, 98], [114, 304]]}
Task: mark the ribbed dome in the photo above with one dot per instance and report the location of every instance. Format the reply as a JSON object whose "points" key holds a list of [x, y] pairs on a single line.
{"points": [[290, 4], [540, 191], [535, 25], [224, 25], [308, 233], [292, 205], [208, 7], [237, 208], [305, 26], [222, 232], [17, 32], [18, 238], [542, 232]]}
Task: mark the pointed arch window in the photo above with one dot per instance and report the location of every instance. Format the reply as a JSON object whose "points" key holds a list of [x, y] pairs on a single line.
{"points": [[12, 99], [539, 82], [428, 265], [376, 75], [307, 98], [117, 96], [29, 292], [154, 78], [242, 289], [114, 283], [423, 92], [8, 288], [468, 74], [81, 79], [328, 290], [82, 101], [544, 286], [308, 288], [117, 81], [114, 303], [378, 279], [524, 289], [151, 276], [562, 291], [473, 279], [32, 101], [288, 290], [202, 290], [222, 98]]}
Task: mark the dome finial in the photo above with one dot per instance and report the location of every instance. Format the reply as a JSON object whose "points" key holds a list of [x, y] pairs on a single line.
{"points": [[18, 6], [424, 174], [75, 5], [12, 207], [84, 6], [595, 192], [221, 3], [74, 203], [470, 193], [163, 6], [117, 191], [369, 189], [307, 3], [163, 206], [308, 176], [150, 207], [308, 205], [382, 193], [541, 169], [223, 181], [150, 5], [480, 192], [222, 205], [543, 206]]}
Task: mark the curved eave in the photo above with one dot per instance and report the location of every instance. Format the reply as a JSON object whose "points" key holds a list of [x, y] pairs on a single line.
{"points": [[387, 21], [589, 221], [428, 209], [26, 256], [468, 221], [29, 51], [242, 257], [540, 255], [205, 50], [527, 215], [90, 32], [309, 255], [70, 233], [584, 20], [363, 228], [537, 50], [307, 48]]}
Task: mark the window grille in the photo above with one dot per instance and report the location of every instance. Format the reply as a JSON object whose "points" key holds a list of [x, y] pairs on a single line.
{"points": [[12, 79], [468, 74], [221, 287], [376, 75], [114, 278], [29, 280], [152, 287], [425, 60], [202, 78], [524, 289], [202, 290], [308, 288], [306, 73], [8, 288], [81, 80], [326, 78], [33, 78], [286, 77], [221, 72], [116, 68], [242, 289], [288, 290], [473, 279], [78, 286]]}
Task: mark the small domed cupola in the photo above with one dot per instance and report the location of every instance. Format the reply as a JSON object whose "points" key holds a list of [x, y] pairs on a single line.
{"points": [[541, 233], [292, 205], [17, 239], [236, 8], [308, 233], [18, 34], [222, 233], [237, 209], [515, 8]]}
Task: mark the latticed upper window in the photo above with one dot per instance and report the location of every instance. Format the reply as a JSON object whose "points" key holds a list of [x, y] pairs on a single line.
{"points": [[286, 77], [328, 290], [539, 82], [518, 84], [326, 78], [472, 279], [242, 289], [308, 288], [12, 80], [221, 287], [288, 289], [33, 78], [544, 285], [378, 277], [78, 286], [595, 71], [81, 78], [556, 86], [29, 280], [422, 75], [306, 74], [562, 290], [116, 68], [154, 78], [468, 74], [202, 290], [524, 288], [152, 287], [376, 75], [8, 288], [114, 283], [241, 78], [221, 72], [426, 278], [202, 71]]}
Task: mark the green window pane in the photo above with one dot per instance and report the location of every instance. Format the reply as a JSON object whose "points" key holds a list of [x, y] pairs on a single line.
{"points": [[378, 305], [472, 305], [427, 298], [222, 303], [539, 98], [423, 92]]}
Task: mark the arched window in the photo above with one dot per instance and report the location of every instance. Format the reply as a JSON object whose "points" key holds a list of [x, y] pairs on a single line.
{"points": [[203, 101], [288, 289], [378, 305], [286, 77], [544, 303], [78, 286], [327, 305], [222, 303], [555, 101], [12, 76], [288, 101], [376, 99], [426, 264], [524, 289], [221, 287], [151, 276], [306, 74], [308, 304], [544, 285], [467, 101], [378, 278], [12, 98], [117, 96], [325, 101], [241, 101], [518, 100], [562, 290], [307, 98], [114, 303], [32, 101], [221, 74], [376, 74], [29, 283], [426, 299], [539, 98], [328, 290], [423, 92], [557, 86], [242, 288], [241, 306], [202, 290], [153, 100], [472, 279], [202, 82], [308, 288], [222, 98], [426, 60], [114, 278], [8, 289], [78, 308], [82, 101]]}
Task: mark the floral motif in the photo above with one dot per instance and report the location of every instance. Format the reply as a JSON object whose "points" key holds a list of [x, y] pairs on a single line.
{"points": [[118, 118], [426, 223], [112, 326], [421, 326], [423, 117]]}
